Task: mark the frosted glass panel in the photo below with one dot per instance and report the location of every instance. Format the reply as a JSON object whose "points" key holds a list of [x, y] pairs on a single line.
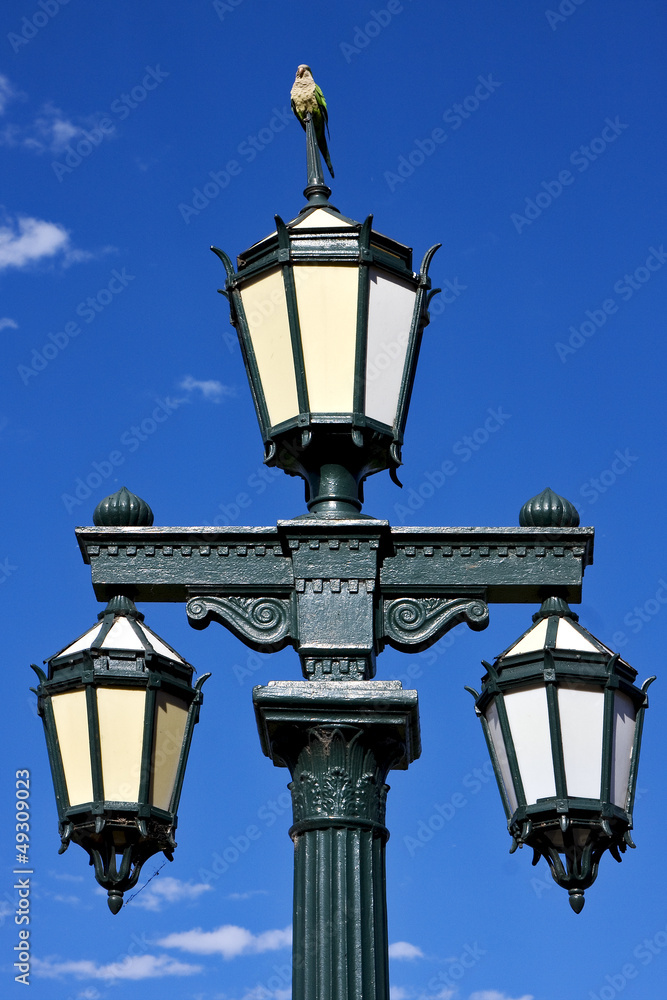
{"points": [[266, 312], [170, 719], [71, 716], [327, 301], [499, 746], [390, 308], [624, 735], [529, 722], [532, 640], [581, 719], [121, 635], [568, 637], [121, 715]]}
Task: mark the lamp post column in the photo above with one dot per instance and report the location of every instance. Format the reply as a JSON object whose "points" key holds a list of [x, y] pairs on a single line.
{"points": [[339, 740]]}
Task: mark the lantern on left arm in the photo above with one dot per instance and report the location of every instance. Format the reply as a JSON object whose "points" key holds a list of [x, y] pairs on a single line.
{"points": [[119, 710]]}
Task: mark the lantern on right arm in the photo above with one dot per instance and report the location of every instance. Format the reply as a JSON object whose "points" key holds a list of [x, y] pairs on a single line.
{"points": [[563, 721]]}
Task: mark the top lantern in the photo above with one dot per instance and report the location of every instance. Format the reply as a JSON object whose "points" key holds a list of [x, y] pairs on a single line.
{"points": [[329, 315]]}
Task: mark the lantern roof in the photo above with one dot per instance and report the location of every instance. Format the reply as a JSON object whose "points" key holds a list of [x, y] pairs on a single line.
{"points": [[120, 627], [556, 627]]}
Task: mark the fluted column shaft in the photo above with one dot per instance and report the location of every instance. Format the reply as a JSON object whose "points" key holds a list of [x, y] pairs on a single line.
{"points": [[339, 740]]}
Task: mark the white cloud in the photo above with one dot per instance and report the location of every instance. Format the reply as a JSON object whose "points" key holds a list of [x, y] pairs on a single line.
{"points": [[30, 240], [5, 322], [132, 967], [247, 895], [400, 993], [228, 941], [210, 389], [260, 992], [169, 890], [497, 995], [50, 132], [7, 93], [403, 949]]}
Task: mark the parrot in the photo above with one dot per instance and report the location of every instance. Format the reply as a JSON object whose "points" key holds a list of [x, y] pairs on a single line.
{"points": [[307, 97]]}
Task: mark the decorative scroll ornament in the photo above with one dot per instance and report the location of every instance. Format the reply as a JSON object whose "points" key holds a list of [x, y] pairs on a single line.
{"points": [[257, 621], [420, 621]]}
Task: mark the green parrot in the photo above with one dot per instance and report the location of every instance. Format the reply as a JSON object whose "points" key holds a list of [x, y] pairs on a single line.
{"points": [[307, 97]]}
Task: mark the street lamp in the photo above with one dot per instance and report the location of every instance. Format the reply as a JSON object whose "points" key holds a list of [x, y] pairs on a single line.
{"points": [[118, 709], [330, 316], [317, 304], [562, 719]]}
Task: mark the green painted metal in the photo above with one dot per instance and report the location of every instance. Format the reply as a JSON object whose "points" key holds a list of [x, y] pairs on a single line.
{"points": [[333, 453], [570, 832], [548, 509], [122, 509], [132, 830], [339, 741], [337, 590]]}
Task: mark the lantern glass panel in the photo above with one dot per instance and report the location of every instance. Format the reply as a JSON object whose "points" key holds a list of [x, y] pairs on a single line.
{"points": [[170, 719], [567, 637], [528, 716], [265, 308], [327, 302], [71, 717], [581, 712], [498, 742], [391, 305], [624, 734], [534, 639], [121, 719], [121, 635]]}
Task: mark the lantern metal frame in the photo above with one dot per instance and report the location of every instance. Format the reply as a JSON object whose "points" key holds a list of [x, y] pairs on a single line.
{"points": [[555, 826], [135, 830], [356, 443]]}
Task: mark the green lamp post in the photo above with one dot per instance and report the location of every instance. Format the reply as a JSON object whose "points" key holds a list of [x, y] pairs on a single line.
{"points": [[330, 314]]}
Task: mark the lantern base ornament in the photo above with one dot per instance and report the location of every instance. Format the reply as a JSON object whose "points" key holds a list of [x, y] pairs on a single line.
{"points": [[118, 848]]}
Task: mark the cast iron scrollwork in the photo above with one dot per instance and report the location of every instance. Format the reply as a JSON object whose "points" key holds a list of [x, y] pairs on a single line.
{"points": [[411, 622], [258, 621]]}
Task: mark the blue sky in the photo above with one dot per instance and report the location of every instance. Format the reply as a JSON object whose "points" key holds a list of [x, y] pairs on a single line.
{"points": [[528, 138]]}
